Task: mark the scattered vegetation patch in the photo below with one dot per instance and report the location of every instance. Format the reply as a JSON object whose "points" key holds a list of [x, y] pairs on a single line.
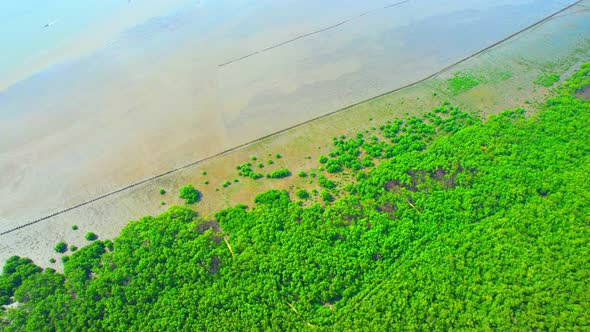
{"points": [[461, 82], [246, 170], [547, 80]]}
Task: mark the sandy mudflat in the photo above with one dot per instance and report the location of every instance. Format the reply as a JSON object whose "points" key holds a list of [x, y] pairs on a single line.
{"points": [[150, 112]]}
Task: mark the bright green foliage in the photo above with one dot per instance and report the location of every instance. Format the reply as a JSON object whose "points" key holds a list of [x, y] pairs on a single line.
{"points": [[579, 81], [162, 191], [461, 82], [302, 194], [73, 248], [16, 271], [189, 194], [60, 247], [323, 159], [326, 183], [90, 236], [278, 156], [226, 184], [246, 170], [326, 196], [547, 80], [279, 174], [461, 226], [74, 227], [302, 174]]}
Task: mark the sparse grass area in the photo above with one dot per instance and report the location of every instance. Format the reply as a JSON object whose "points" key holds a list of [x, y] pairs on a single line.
{"points": [[547, 80], [460, 82]]}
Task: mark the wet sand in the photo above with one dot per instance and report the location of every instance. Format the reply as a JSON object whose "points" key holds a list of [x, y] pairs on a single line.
{"points": [[60, 156]]}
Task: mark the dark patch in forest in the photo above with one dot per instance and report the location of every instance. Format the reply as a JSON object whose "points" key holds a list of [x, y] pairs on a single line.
{"points": [[584, 93], [214, 266], [211, 224]]}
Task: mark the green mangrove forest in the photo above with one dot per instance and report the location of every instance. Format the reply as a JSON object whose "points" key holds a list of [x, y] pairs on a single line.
{"points": [[433, 223]]}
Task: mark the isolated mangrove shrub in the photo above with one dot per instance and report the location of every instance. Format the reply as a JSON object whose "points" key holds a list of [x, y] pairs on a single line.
{"points": [[279, 174], [189, 194], [60, 247], [90, 236]]}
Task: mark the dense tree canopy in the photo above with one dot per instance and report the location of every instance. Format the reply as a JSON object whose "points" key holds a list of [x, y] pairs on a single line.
{"points": [[461, 225]]}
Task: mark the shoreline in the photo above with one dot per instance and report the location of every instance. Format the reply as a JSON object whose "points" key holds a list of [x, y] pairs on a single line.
{"points": [[110, 213], [200, 161]]}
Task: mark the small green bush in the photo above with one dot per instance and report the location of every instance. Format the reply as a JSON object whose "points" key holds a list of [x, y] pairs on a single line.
{"points": [[189, 193], [162, 191], [52, 260], [73, 248], [74, 227], [302, 174], [60, 247], [90, 236], [326, 196], [302, 194], [279, 174]]}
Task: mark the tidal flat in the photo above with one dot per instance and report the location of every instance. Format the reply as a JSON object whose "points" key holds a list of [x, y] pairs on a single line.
{"points": [[105, 146]]}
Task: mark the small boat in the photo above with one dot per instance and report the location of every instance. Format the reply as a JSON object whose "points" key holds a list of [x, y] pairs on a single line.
{"points": [[50, 23]]}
